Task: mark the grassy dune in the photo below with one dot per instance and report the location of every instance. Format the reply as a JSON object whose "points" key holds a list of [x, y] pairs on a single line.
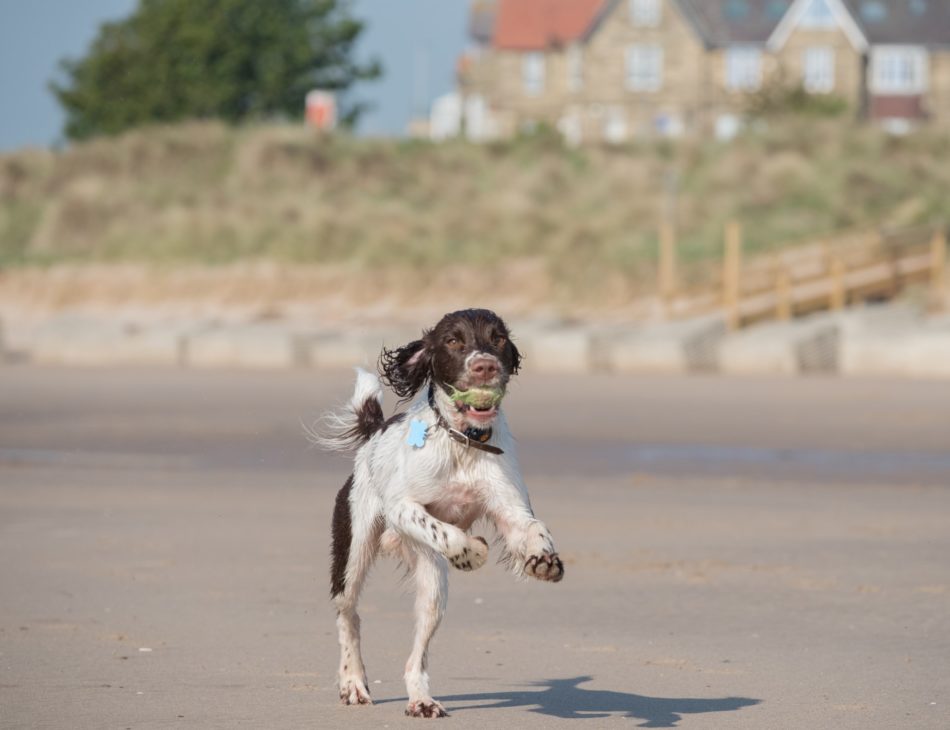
{"points": [[206, 194]]}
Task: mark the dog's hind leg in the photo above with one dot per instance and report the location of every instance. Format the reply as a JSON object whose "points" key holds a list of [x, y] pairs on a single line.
{"points": [[432, 586], [355, 544]]}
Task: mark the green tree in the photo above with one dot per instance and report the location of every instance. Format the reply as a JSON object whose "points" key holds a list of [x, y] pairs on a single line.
{"points": [[225, 59]]}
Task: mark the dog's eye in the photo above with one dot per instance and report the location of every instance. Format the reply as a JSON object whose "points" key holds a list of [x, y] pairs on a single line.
{"points": [[453, 342], [499, 341]]}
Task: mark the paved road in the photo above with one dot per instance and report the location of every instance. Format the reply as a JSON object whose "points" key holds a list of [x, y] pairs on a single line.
{"points": [[751, 554]]}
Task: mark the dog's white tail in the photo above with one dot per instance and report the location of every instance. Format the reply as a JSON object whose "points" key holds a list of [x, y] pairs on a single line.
{"points": [[354, 424]]}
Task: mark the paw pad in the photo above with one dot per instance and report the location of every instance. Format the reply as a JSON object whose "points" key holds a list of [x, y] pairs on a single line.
{"points": [[425, 708], [354, 693], [547, 567]]}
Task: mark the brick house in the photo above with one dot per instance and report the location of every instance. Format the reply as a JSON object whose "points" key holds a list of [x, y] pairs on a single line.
{"points": [[889, 58], [620, 69]]}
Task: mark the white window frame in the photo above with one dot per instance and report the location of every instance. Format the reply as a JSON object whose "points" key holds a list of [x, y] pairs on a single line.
{"points": [[571, 127], [899, 70], [644, 67], [743, 68], [818, 69], [533, 72], [811, 19], [616, 127], [575, 68], [645, 13]]}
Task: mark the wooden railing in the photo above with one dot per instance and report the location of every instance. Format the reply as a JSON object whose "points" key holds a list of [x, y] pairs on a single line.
{"points": [[828, 275]]}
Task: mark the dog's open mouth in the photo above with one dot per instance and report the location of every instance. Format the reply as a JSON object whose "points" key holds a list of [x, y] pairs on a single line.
{"points": [[480, 404], [478, 414]]}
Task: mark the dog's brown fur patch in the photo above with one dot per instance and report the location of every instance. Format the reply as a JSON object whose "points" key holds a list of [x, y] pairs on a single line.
{"points": [[342, 537]]}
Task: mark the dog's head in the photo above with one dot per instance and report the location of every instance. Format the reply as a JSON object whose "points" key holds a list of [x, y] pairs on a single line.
{"points": [[469, 355]]}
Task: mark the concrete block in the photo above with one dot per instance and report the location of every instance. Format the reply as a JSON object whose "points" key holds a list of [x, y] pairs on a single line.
{"points": [[819, 350], [556, 350], [340, 350], [922, 353], [270, 345], [18, 334], [13, 340], [801, 346], [78, 340], [872, 318], [669, 347], [893, 340], [347, 349], [647, 353]]}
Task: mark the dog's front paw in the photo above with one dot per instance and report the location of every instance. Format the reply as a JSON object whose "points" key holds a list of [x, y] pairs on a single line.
{"points": [[354, 692], [472, 556], [425, 708], [547, 566]]}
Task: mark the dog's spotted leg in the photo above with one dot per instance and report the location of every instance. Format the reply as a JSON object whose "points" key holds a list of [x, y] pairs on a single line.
{"points": [[356, 541], [472, 557], [431, 594], [352, 674], [529, 547], [462, 551]]}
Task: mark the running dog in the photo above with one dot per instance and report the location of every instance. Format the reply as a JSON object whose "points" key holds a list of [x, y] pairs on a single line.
{"points": [[422, 478]]}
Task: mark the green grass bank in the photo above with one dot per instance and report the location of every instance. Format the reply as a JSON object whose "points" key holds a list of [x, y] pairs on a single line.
{"points": [[207, 194]]}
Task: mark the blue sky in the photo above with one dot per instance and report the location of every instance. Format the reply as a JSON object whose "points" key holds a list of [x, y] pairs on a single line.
{"points": [[417, 40]]}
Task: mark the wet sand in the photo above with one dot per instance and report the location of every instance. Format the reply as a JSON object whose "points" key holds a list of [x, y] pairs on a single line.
{"points": [[763, 553]]}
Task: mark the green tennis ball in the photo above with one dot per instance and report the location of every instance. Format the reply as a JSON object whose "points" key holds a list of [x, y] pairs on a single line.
{"points": [[477, 397]]}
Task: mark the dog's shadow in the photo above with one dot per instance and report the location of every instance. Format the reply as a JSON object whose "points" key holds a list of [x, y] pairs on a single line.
{"points": [[564, 698]]}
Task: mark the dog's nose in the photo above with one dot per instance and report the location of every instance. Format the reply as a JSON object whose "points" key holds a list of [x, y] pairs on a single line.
{"points": [[484, 367]]}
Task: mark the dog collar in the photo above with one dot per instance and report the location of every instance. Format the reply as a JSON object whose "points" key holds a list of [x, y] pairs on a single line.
{"points": [[473, 438]]}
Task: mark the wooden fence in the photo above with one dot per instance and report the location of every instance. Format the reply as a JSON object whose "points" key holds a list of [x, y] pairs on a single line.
{"points": [[798, 280]]}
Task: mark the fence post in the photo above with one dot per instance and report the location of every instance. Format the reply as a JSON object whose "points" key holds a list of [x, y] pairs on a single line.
{"points": [[732, 273], [667, 267], [938, 266], [839, 294], [783, 295]]}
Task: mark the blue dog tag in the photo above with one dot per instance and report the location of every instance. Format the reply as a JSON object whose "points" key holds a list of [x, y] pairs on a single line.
{"points": [[417, 433]]}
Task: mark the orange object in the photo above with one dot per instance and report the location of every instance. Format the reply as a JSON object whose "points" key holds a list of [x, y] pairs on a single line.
{"points": [[321, 109]]}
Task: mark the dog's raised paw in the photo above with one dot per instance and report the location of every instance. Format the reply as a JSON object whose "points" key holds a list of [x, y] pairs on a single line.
{"points": [[547, 566], [354, 692], [425, 708], [472, 557]]}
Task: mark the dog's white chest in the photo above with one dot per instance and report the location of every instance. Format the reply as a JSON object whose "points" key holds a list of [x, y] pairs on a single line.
{"points": [[458, 504]]}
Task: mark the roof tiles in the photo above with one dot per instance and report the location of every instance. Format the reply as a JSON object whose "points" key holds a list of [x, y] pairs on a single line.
{"points": [[725, 22], [528, 25], [924, 22]]}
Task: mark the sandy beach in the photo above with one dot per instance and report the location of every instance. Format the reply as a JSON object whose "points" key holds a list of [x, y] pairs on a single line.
{"points": [[758, 553]]}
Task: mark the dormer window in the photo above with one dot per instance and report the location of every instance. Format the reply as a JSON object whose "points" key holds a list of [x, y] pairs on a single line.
{"points": [[873, 11], [737, 9], [818, 15], [776, 10], [645, 13]]}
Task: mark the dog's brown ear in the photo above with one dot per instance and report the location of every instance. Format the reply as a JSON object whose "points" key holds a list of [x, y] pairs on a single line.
{"points": [[406, 369], [512, 357]]}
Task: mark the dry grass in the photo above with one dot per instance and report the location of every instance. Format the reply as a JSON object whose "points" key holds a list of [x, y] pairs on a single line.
{"points": [[252, 291], [585, 220]]}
